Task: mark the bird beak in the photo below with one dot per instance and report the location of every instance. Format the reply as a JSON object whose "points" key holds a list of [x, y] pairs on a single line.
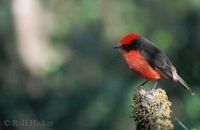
{"points": [[116, 47]]}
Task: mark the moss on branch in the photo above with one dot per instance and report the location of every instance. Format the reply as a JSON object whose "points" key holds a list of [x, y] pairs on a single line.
{"points": [[151, 110]]}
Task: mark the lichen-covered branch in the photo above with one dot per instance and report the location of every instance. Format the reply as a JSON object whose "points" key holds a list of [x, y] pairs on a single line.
{"points": [[151, 110]]}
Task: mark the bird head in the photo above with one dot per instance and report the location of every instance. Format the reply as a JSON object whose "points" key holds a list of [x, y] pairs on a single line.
{"points": [[126, 41]]}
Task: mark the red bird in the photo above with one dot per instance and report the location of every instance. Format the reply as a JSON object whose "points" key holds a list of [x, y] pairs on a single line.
{"points": [[148, 61]]}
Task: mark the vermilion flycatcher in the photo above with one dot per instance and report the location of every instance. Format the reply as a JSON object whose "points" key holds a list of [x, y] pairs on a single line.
{"points": [[147, 60]]}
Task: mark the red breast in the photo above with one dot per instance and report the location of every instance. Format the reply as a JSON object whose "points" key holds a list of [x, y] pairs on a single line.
{"points": [[138, 64]]}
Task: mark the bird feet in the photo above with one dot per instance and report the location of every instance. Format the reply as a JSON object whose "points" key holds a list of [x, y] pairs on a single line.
{"points": [[142, 84], [154, 86]]}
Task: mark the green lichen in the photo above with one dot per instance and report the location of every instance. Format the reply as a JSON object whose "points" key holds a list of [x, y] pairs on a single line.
{"points": [[151, 110]]}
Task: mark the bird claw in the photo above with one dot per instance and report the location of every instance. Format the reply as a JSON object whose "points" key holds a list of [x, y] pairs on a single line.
{"points": [[141, 87]]}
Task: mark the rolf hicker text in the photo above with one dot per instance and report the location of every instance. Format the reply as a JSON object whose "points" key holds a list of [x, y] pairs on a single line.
{"points": [[39, 123]]}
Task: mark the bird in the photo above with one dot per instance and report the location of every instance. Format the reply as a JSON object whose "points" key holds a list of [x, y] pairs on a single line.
{"points": [[148, 61]]}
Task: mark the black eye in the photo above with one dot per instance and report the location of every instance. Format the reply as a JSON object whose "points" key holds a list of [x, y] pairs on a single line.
{"points": [[126, 47]]}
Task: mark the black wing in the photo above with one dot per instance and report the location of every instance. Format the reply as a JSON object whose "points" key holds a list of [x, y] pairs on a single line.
{"points": [[160, 61], [156, 58]]}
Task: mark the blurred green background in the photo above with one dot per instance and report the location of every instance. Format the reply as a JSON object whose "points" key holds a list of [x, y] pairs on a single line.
{"points": [[57, 63]]}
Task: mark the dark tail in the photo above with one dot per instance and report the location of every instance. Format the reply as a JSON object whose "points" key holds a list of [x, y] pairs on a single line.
{"points": [[184, 84]]}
